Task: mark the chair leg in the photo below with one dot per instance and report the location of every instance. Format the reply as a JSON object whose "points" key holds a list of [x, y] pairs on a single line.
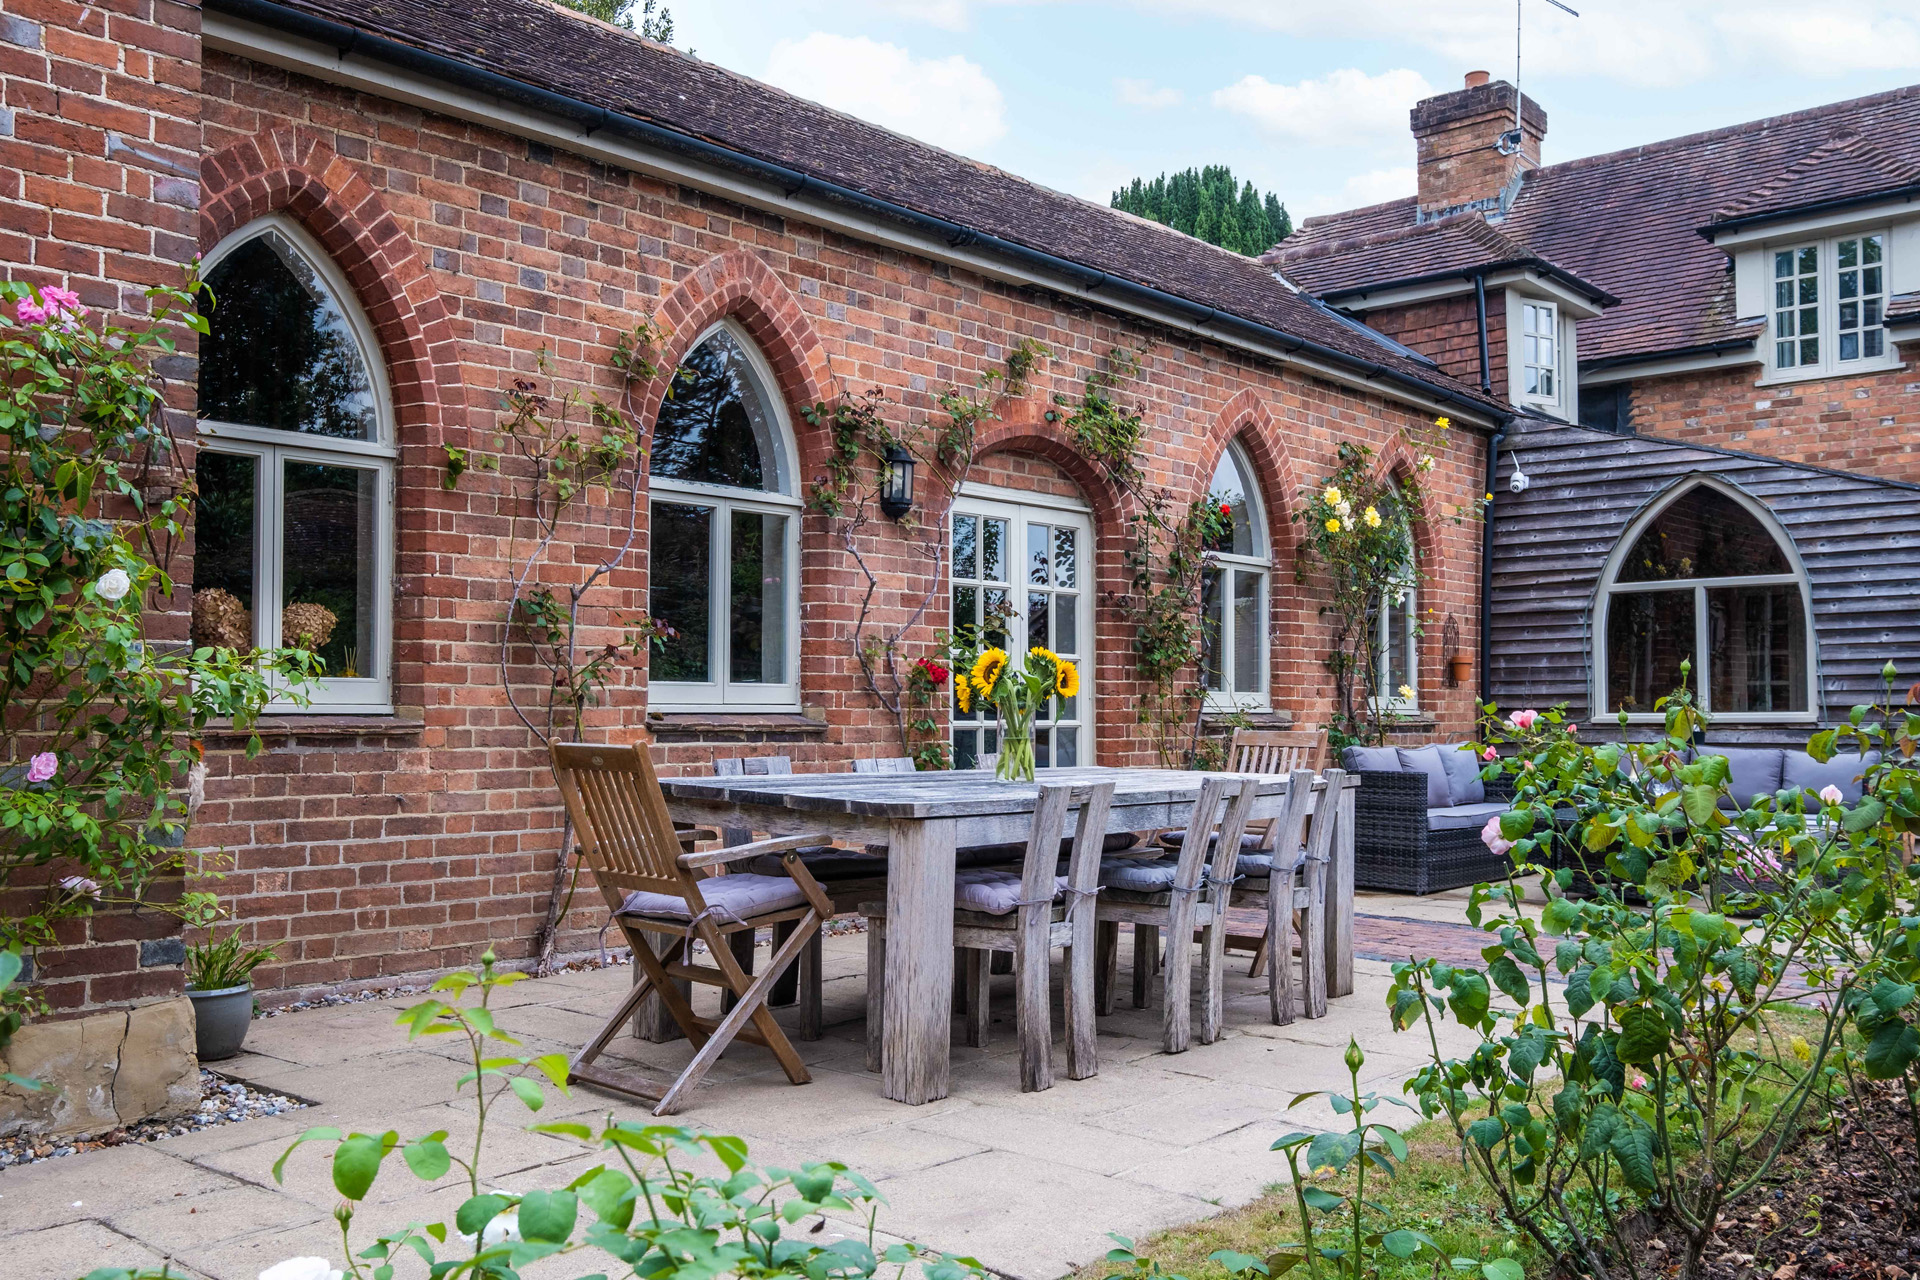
{"points": [[876, 986], [1106, 966], [959, 979], [786, 987], [1262, 954], [979, 984], [1146, 954], [654, 1023], [1213, 974], [1280, 943], [1313, 947], [1032, 969], [807, 971], [642, 989], [750, 1005], [1083, 1059]]}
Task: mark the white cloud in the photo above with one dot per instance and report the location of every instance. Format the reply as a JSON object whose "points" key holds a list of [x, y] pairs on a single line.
{"points": [[949, 101], [1342, 107], [950, 15], [1143, 93]]}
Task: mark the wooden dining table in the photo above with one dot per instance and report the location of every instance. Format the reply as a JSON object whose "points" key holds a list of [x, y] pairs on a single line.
{"points": [[921, 819]]}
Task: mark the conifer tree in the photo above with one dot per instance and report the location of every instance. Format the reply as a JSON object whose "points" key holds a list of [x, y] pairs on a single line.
{"points": [[1210, 204]]}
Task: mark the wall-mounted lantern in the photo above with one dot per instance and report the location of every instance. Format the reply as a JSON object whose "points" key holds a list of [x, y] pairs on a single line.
{"points": [[896, 482]]}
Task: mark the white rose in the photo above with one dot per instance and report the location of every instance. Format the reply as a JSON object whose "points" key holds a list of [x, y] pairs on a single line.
{"points": [[501, 1229], [114, 585], [298, 1268]]}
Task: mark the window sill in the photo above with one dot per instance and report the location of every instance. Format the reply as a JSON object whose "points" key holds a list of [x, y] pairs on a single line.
{"points": [[744, 726], [1255, 717], [1799, 377], [309, 725]]}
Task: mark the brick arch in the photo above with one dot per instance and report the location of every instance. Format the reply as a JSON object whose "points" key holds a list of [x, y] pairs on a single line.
{"points": [[1398, 462], [294, 172], [739, 286], [1247, 418]]}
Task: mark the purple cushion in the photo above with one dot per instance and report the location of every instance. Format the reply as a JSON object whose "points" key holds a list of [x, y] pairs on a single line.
{"points": [[991, 890], [733, 898], [1427, 760]]}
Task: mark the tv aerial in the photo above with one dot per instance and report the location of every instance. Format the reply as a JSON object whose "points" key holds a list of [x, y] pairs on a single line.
{"points": [[1510, 141]]}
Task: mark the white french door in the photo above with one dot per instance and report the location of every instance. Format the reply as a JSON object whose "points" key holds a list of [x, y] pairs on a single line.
{"points": [[1023, 574]]}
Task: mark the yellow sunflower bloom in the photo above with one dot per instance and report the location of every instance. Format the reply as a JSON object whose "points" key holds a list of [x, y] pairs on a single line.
{"points": [[963, 694], [1333, 524], [1066, 679], [1048, 654], [987, 669]]}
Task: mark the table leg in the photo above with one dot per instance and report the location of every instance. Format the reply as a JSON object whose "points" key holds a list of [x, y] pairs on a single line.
{"points": [[1340, 903], [919, 977]]}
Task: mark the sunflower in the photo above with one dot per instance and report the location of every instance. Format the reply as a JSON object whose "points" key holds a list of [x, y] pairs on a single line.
{"points": [[987, 669], [1046, 655], [1066, 679], [963, 694]]}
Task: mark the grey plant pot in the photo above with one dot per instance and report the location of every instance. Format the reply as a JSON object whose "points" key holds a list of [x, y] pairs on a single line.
{"points": [[220, 1020]]}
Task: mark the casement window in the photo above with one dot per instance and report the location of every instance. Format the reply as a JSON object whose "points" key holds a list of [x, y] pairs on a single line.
{"points": [[723, 535], [1709, 578], [1539, 352], [293, 513], [1234, 602], [1828, 301], [1023, 577], [1397, 648]]}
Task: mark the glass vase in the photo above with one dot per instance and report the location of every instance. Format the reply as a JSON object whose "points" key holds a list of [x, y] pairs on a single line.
{"points": [[1016, 749]]}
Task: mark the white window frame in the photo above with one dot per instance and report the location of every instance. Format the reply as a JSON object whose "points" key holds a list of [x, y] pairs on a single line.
{"points": [[1407, 607], [1230, 567], [721, 693], [271, 449], [1701, 678], [1527, 349], [1017, 509], [1827, 275]]}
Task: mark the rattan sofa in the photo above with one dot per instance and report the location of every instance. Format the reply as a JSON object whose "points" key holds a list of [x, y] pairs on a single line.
{"points": [[1402, 845]]}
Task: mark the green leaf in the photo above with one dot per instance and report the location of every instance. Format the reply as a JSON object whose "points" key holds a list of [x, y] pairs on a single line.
{"points": [[322, 1133], [608, 1194], [476, 1212], [528, 1092], [1561, 915], [1579, 993], [1469, 997], [1238, 1263], [1643, 1036], [428, 1158], [1487, 1131], [356, 1162], [1867, 813], [1509, 978], [1891, 997], [1322, 1199], [1632, 1146], [1700, 803], [1502, 1269], [1404, 1243], [1893, 1048], [1332, 1150], [548, 1215], [564, 1128]]}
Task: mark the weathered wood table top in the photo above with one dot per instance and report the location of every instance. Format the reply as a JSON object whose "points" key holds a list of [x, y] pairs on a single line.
{"points": [[921, 818]]}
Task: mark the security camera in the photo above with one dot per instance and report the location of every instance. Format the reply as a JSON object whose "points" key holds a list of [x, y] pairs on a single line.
{"points": [[1519, 480]]}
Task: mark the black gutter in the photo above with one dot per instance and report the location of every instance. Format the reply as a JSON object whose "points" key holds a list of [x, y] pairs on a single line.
{"points": [[347, 39], [1600, 297], [1906, 192], [1480, 314], [1486, 565], [1672, 353]]}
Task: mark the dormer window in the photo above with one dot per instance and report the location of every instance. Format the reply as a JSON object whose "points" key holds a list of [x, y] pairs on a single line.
{"points": [[1829, 298], [1540, 352]]}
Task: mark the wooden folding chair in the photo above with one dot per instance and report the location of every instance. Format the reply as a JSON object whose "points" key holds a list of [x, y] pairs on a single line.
{"points": [[653, 887]]}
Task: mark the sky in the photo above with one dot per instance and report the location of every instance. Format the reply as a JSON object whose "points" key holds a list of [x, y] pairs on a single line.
{"points": [[1307, 98]]}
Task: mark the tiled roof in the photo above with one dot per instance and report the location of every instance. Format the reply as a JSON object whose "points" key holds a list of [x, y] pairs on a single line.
{"points": [[1627, 221], [1847, 167], [555, 50], [1448, 246]]}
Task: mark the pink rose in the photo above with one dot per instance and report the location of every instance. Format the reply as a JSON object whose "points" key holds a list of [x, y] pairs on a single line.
{"points": [[1831, 794], [81, 886], [1490, 754], [1523, 719], [56, 297], [29, 312], [1573, 728], [1490, 836], [42, 767]]}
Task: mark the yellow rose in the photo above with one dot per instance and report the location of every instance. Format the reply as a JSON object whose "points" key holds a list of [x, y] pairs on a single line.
{"points": [[1443, 423], [1372, 518], [1406, 692], [1333, 525], [1333, 496]]}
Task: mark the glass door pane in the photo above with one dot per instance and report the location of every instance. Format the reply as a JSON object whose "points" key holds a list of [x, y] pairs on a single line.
{"points": [[327, 558], [981, 553], [678, 594]]}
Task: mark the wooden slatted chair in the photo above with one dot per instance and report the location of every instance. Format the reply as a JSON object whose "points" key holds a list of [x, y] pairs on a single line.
{"points": [[1290, 881], [652, 887], [1024, 915], [1178, 898]]}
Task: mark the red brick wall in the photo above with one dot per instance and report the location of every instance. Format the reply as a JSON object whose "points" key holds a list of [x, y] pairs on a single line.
{"points": [[370, 850], [1447, 331], [1869, 423], [99, 155]]}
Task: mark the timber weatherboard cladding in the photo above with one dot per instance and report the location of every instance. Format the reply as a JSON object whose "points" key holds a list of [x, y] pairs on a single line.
{"points": [[1858, 538]]}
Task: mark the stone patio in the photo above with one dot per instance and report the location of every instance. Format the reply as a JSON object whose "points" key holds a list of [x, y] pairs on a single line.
{"points": [[1028, 1183]]}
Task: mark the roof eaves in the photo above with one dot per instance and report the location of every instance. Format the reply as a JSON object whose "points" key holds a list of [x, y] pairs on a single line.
{"points": [[1908, 191], [1532, 262]]}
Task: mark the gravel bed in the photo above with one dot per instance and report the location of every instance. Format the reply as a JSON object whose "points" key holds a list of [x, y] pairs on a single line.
{"points": [[222, 1101]]}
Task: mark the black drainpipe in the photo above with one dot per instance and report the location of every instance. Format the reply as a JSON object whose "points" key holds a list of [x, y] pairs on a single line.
{"points": [[1486, 561], [1480, 313]]}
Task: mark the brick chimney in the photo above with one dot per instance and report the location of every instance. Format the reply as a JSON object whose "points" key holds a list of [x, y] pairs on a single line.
{"points": [[1458, 137]]}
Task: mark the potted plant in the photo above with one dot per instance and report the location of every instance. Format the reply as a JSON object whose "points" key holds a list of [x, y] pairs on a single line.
{"points": [[220, 984]]}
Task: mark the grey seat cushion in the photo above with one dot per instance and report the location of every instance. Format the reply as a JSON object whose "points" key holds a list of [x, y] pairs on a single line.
{"points": [[1259, 866], [1752, 771], [1427, 760], [1174, 839], [1463, 774], [991, 890], [1460, 817], [1137, 875], [1804, 773], [732, 898], [1000, 855], [826, 864], [1373, 759]]}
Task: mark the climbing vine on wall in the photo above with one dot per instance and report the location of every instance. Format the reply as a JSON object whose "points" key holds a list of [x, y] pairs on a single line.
{"points": [[941, 444]]}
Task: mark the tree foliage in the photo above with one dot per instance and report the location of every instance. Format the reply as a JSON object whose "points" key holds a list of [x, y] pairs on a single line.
{"points": [[1212, 206], [655, 19]]}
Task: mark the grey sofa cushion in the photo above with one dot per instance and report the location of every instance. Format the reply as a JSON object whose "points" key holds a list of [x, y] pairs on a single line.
{"points": [[826, 864], [1752, 771], [1376, 759], [732, 898], [1802, 771], [1137, 874], [1427, 760], [990, 890], [1463, 774], [1461, 816]]}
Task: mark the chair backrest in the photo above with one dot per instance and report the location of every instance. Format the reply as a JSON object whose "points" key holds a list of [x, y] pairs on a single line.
{"points": [[1207, 824], [1288, 832], [1042, 861], [620, 818], [884, 764], [752, 766], [1276, 750]]}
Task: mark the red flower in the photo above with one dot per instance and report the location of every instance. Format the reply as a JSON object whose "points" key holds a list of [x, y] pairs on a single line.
{"points": [[936, 675], [1226, 508]]}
